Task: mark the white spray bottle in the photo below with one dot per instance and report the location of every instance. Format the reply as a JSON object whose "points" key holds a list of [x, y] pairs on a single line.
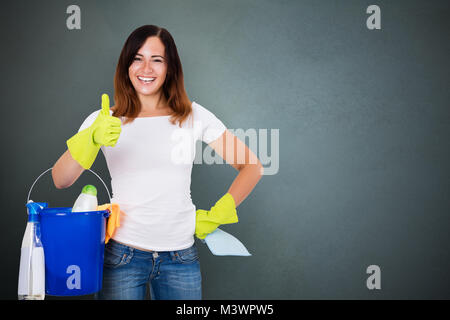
{"points": [[32, 262]]}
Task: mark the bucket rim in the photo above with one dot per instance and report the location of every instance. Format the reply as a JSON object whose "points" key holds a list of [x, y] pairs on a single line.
{"points": [[67, 211]]}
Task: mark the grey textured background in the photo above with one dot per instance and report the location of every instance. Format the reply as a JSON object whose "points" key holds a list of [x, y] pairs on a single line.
{"points": [[363, 117]]}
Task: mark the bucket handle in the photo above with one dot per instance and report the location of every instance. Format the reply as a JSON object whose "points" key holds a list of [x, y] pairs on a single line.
{"points": [[107, 190]]}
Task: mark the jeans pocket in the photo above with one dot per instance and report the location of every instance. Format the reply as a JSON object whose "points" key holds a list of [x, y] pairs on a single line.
{"points": [[188, 255], [116, 255]]}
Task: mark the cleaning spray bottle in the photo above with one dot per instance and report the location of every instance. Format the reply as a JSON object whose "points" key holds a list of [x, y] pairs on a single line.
{"points": [[32, 262]]}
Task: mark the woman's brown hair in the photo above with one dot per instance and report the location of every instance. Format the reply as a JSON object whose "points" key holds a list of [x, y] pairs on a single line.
{"points": [[127, 103]]}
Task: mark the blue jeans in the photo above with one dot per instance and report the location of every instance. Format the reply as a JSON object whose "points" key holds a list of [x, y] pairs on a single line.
{"points": [[171, 275]]}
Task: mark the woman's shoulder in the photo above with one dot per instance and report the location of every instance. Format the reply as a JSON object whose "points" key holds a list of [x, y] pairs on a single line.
{"points": [[201, 111], [198, 108]]}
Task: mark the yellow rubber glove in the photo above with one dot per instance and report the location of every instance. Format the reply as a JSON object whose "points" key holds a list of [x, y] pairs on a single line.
{"points": [[105, 130], [223, 212]]}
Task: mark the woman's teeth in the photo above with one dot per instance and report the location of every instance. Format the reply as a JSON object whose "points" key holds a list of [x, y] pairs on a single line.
{"points": [[146, 80]]}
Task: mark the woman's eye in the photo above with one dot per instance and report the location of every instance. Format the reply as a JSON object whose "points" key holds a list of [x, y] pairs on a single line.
{"points": [[139, 59]]}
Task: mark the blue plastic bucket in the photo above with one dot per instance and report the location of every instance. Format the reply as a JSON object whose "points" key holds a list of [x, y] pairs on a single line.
{"points": [[74, 244]]}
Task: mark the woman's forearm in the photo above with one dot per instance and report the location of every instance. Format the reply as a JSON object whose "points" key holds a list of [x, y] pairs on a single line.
{"points": [[245, 181], [66, 171]]}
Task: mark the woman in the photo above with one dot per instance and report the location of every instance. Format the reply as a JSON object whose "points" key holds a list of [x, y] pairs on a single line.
{"points": [[140, 138]]}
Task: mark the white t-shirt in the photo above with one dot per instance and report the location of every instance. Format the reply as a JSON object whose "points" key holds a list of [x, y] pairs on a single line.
{"points": [[150, 168]]}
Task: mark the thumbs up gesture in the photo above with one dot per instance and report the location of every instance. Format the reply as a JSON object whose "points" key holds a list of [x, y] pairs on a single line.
{"points": [[106, 128], [85, 145]]}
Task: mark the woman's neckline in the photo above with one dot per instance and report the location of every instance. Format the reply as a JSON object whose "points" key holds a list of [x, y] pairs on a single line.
{"points": [[164, 116], [156, 116], [153, 117]]}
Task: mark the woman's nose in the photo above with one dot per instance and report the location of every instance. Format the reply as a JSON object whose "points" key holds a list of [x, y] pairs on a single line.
{"points": [[148, 67]]}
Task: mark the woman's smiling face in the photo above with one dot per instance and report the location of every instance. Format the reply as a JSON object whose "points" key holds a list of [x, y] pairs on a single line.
{"points": [[148, 70]]}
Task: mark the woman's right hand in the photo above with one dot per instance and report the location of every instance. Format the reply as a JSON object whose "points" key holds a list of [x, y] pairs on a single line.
{"points": [[106, 128]]}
